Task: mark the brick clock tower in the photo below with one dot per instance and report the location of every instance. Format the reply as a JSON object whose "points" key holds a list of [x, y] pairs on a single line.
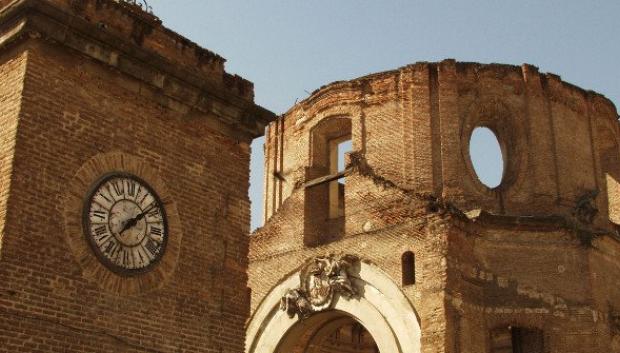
{"points": [[123, 184]]}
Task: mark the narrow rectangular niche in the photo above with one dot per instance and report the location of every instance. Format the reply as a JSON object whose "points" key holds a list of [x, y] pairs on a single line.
{"points": [[408, 268]]}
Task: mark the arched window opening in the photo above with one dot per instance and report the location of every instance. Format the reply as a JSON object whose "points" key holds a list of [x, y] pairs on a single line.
{"points": [[486, 157], [408, 268], [514, 339], [325, 181]]}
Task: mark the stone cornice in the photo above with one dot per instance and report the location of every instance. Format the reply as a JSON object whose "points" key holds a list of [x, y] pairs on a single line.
{"points": [[229, 98], [537, 223]]}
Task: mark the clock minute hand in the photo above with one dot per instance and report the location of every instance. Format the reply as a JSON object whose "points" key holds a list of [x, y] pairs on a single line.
{"points": [[141, 215]]}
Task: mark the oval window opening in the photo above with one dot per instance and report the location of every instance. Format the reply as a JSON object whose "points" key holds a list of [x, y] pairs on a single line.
{"points": [[486, 156]]}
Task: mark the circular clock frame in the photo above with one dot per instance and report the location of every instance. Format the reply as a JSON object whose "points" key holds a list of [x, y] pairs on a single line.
{"points": [[87, 262], [86, 224]]}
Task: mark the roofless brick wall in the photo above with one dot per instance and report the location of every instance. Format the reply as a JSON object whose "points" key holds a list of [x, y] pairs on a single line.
{"points": [[527, 266], [413, 125]]}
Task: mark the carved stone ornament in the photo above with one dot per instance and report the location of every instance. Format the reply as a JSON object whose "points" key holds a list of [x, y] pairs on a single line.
{"points": [[322, 280]]}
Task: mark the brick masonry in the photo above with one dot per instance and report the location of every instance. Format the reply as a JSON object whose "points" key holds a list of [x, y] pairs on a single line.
{"points": [[77, 95], [540, 251], [99, 85], [12, 76]]}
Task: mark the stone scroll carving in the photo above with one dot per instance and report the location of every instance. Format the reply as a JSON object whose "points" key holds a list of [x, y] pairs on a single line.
{"points": [[322, 280]]}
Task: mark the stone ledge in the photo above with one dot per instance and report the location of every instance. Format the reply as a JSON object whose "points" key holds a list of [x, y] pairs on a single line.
{"points": [[229, 98], [543, 223]]}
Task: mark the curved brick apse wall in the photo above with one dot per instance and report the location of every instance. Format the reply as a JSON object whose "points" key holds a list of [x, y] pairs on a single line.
{"points": [[530, 265], [413, 126]]}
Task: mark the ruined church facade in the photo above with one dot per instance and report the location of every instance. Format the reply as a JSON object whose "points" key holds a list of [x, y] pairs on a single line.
{"points": [[124, 208], [440, 262]]}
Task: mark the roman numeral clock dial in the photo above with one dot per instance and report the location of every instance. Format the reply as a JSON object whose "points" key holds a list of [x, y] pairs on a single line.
{"points": [[125, 224]]}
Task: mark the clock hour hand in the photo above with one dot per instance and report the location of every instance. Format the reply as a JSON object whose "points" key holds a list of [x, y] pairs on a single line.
{"points": [[132, 222]]}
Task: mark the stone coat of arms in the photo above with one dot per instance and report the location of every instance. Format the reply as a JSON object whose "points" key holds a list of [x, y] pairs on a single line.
{"points": [[321, 280]]}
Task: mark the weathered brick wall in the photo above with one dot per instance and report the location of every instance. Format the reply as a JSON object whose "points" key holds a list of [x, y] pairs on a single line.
{"points": [[535, 279], [89, 93], [277, 249], [426, 113], [12, 71], [130, 21], [74, 109], [527, 260]]}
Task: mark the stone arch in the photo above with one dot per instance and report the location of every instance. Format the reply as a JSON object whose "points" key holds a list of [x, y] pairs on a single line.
{"points": [[328, 128], [382, 309], [319, 334]]}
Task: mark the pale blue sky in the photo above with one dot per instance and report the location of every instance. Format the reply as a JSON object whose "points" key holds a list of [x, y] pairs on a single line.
{"points": [[289, 48]]}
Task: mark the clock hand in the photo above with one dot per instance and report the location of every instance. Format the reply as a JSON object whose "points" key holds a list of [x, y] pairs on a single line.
{"points": [[133, 221], [130, 223], [141, 215]]}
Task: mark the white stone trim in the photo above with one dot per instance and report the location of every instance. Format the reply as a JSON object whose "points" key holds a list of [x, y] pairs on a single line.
{"points": [[382, 309]]}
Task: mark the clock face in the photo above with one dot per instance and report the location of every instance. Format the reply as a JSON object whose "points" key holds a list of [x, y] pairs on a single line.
{"points": [[125, 224]]}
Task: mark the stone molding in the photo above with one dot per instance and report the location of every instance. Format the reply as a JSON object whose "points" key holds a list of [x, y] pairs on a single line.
{"points": [[179, 87], [92, 269]]}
